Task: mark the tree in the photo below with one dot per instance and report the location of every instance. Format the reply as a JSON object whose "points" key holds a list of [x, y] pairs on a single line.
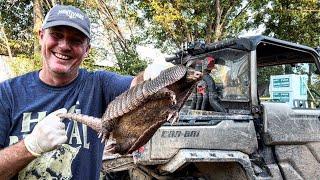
{"points": [[115, 38], [172, 23], [16, 35], [21, 21], [119, 37], [37, 22], [4, 42], [16, 20], [291, 20]]}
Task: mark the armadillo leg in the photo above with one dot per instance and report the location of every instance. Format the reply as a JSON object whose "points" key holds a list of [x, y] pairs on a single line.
{"points": [[165, 92], [127, 145], [107, 128]]}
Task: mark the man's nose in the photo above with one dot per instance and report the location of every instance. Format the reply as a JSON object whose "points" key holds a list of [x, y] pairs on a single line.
{"points": [[65, 44]]}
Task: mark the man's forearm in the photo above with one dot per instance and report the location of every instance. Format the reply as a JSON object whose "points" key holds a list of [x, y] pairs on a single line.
{"points": [[13, 159]]}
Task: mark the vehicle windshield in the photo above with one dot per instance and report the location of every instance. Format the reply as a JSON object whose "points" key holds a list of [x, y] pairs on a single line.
{"points": [[231, 74]]}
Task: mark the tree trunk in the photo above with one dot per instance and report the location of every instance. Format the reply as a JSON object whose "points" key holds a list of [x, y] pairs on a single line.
{"points": [[6, 42], [210, 23], [6, 72], [37, 21], [217, 30]]}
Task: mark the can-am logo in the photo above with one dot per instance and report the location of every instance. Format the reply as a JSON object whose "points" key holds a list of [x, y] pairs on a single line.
{"points": [[171, 134]]}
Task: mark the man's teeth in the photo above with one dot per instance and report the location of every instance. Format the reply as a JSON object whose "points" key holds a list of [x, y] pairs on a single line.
{"points": [[62, 56]]}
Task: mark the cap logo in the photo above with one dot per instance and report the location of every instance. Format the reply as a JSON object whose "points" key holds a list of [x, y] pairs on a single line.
{"points": [[70, 14]]}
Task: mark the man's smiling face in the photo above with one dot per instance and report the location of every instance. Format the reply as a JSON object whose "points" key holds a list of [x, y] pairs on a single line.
{"points": [[63, 48]]}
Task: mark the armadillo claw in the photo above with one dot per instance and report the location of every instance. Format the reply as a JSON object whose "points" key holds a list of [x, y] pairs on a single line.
{"points": [[103, 135], [173, 98], [103, 139], [110, 146], [173, 117], [111, 149]]}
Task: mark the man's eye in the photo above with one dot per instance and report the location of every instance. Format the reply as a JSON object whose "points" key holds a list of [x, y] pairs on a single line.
{"points": [[76, 42], [55, 35]]}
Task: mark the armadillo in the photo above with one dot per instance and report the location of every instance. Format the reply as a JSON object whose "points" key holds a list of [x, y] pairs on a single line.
{"points": [[133, 117]]}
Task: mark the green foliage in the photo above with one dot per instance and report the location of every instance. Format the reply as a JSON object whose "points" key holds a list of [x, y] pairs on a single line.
{"points": [[19, 47], [130, 63], [295, 21], [121, 37], [172, 23], [291, 20], [16, 19], [89, 62], [265, 73], [127, 63], [166, 23], [22, 64]]}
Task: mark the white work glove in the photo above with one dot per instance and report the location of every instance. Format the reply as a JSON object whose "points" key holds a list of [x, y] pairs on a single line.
{"points": [[153, 70], [47, 134]]}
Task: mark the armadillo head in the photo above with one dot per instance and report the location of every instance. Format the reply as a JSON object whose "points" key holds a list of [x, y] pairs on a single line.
{"points": [[193, 75], [184, 86]]}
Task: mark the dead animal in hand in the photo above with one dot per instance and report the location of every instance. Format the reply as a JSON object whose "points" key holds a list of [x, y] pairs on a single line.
{"points": [[135, 115]]}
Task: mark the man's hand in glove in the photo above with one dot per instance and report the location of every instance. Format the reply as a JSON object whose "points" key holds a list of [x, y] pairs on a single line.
{"points": [[47, 134]]}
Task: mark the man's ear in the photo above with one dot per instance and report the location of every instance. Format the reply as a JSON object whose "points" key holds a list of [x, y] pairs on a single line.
{"points": [[40, 33], [87, 50]]}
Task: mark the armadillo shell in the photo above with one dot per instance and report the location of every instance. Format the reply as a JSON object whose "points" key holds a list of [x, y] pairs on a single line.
{"points": [[135, 96]]}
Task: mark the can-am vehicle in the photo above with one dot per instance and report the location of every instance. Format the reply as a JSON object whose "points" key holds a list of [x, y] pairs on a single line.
{"points": [[255, 115]]}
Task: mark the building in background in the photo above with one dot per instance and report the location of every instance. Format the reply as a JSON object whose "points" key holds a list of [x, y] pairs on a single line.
{"points": [[289, 88]]}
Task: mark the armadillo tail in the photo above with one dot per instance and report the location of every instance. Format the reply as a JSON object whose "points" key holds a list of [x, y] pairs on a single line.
{"points": [[92, 122]]}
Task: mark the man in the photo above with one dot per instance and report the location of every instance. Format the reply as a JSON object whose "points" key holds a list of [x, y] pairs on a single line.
{"points": [[34, 142]]}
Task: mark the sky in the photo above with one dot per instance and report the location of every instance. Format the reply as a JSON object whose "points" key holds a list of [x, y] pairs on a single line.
{"points": [[155, 55]]}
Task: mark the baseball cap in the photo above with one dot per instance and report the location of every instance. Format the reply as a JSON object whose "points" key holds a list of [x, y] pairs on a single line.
{"points": [[62, 15]]}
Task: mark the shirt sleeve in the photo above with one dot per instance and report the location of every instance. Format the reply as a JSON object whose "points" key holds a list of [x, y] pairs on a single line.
{"points": [[114, 84]]}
